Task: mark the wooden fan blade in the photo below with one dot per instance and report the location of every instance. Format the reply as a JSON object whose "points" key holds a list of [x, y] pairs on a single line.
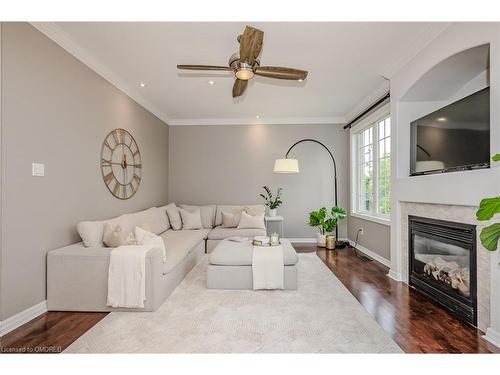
{"points": [[239, 87], [280, 72], [203, 67], [251, 44]]}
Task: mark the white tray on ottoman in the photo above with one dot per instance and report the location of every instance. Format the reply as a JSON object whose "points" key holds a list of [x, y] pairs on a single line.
{"points": [[230, 265]]}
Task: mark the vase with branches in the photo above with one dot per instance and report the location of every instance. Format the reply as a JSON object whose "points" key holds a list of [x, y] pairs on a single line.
{"points": [[326, 221], [273, 202]]}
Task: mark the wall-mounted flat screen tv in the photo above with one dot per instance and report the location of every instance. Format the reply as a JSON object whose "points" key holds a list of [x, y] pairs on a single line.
{"points": [[453, 138]]}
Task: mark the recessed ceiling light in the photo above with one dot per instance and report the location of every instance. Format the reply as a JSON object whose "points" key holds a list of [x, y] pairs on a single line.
{"points": [[211, 83], [300, 80], [442, 119], [257, 116], [142, 84]]}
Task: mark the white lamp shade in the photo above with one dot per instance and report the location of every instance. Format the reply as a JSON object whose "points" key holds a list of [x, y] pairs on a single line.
{"points": [[286, 166]]}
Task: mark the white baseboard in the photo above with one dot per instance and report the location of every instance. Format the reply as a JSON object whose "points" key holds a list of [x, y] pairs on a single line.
{"points": [[309, 240], [364, 250], [492, 336], [21, 318], [371, 254], [302, 240], [394, 275]]}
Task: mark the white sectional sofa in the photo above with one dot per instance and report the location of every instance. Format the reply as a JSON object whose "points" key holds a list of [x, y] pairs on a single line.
{"points": [[77, 275]]}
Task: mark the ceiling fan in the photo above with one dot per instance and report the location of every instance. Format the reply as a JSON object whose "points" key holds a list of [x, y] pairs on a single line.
{"points": [[246, 64]]}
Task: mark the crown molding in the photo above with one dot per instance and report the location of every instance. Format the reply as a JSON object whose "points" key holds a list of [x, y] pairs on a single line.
{"points": [[368, 100], [59, 36], [255, 121]]}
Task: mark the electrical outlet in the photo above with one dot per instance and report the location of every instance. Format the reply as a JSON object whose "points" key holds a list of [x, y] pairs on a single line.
{"points": [[38, 169], [361, 231]]}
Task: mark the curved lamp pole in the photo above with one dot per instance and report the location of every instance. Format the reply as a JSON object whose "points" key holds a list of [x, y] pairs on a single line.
{"points": [[287, 165]]}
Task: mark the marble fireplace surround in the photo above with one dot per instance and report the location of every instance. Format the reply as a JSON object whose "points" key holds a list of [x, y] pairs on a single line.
{"points": [[461, 214]]}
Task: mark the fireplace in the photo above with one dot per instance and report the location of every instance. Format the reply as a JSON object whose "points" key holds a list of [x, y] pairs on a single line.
{"points": [[442, 264]]}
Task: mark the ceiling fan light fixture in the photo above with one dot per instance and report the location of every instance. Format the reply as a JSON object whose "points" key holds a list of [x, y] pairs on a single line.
{"points": [[244, 73]]}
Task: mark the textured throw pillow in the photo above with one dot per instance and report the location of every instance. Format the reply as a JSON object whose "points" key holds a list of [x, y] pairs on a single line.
{"points": [[144, 237], [251, 222], [174, 216], [114, 236], [190, 219], [230, 220], [91, 233]]}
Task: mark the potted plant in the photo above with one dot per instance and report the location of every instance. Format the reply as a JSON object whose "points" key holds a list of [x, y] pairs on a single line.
{"points": [[326, 221], [487, 209], [272, 202]]}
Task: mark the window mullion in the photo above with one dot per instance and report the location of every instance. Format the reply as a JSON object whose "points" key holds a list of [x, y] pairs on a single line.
{"points": [[375, 169]]}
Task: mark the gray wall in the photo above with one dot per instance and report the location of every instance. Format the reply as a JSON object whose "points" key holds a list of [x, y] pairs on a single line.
{"points": [[230, 164], [57, 111], [377, 237]]}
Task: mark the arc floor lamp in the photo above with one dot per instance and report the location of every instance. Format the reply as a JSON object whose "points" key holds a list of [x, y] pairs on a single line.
{"points": [[289, 165]]}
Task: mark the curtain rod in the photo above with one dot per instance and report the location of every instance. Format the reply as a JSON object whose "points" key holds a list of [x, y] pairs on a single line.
{"points": [[349, 124]]}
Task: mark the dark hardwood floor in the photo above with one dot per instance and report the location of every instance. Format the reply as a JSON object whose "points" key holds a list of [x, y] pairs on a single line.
{"points": [[415, 323], [51, 332]]}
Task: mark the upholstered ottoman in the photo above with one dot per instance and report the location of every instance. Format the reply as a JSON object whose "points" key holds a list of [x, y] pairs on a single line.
{"points": [[230, 265]]}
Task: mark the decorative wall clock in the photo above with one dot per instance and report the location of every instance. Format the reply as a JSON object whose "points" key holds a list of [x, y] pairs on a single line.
{"points": [[121, 164]]}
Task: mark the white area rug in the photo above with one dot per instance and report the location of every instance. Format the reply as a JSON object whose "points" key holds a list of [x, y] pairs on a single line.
{"points": [[322, 316]]}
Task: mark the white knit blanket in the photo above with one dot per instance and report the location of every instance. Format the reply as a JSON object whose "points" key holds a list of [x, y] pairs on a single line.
{"points": [[268, 267], [127, 276]]}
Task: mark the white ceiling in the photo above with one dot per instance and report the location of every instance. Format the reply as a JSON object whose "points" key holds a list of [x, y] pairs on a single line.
{"points": [[346, 64]]}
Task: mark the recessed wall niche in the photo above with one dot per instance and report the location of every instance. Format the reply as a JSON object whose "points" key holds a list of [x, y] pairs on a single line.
{"points": [[450, 80]]}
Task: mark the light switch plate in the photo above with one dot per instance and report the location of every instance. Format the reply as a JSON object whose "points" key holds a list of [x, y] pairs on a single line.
{"points": [[38, 169]]}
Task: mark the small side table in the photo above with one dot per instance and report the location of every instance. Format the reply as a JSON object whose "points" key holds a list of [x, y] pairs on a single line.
{"points": [[272, 219]]}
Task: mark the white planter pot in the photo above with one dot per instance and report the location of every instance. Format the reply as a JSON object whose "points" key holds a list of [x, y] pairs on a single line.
{"points": [[321, 240], [272, 212]]}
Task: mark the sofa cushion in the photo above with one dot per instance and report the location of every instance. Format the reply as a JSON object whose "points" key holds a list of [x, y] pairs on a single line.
{"points": [[229, 253], [230, 220], [207, 213], [190, 219], [163, 211], [249, 221], [174, 216], [153, 220], [178, 244], [252, 209], [219, 233]]}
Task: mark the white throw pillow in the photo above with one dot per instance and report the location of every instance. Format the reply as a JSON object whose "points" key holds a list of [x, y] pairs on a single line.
{"points": [[91, 233], [174, 216], [163, 211], [114, 236], [254, 210], [230, 220], [144, 237], [207, 213], [251, 222], [190, 219]]}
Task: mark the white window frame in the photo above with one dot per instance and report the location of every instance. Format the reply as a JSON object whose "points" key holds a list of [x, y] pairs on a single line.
{"points": [[370, 120]]}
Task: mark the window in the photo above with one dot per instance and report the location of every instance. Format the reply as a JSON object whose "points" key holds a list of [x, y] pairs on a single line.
{"points": [[371, 166]]}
